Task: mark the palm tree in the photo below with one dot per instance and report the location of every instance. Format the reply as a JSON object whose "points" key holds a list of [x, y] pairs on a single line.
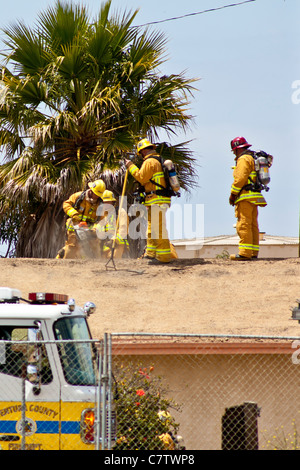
{"points": [[75, 96]]}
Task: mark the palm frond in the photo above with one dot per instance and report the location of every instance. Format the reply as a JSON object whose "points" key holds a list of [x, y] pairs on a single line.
{"points": [[27, 49], [185, 163], [63, 24]]}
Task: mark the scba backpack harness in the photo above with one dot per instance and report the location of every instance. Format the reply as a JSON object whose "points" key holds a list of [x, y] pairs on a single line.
{"points": [[170, 175], [262, 162]]}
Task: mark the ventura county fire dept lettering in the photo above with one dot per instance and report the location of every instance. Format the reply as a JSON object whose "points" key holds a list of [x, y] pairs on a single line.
{"points": [[31, 408]]}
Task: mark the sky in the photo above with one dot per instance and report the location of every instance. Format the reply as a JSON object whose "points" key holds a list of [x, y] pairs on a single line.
{"points": [[246, 58]]}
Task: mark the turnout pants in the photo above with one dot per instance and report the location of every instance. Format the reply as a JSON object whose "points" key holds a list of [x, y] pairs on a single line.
{"points": [[158, 243], [247, 228]]}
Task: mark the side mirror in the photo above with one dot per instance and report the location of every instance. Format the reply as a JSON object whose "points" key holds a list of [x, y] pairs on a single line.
{"points": [[89, 308]]}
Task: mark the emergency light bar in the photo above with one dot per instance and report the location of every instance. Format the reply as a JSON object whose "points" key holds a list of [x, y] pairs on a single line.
{"points": [[7, 294], [47, 298]]}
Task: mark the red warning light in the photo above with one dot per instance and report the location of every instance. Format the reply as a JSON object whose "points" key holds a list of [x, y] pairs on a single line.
{"points": [[47, 298]]}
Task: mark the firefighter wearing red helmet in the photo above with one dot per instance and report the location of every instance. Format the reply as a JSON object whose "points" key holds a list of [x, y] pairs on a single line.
{"points": [[246, 199]]}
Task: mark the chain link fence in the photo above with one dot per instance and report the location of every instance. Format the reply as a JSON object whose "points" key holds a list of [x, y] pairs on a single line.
{"points": [[193, 392], [54, 395], [218, 392]]}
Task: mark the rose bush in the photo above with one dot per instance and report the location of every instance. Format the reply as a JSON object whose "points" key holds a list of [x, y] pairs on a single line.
{"points": [[141, 401]]}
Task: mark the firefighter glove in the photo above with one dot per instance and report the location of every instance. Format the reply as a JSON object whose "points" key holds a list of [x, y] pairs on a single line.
{"points": [[232, 199], [76, 220], [128, 163]]}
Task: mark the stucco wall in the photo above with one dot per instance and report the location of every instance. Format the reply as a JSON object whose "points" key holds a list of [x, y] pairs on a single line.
{"points": [[206, 384]]}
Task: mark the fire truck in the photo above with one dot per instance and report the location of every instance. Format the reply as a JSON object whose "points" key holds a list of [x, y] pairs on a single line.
{"points": [[52, 396]]}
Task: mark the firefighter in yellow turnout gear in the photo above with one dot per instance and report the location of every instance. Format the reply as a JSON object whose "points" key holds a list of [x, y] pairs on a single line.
{"points": [[246, 200], [81, 208], [106, 228], [158, 244]]}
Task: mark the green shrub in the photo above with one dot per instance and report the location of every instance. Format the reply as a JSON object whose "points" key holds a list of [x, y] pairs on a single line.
{"points": [[143, 410]]}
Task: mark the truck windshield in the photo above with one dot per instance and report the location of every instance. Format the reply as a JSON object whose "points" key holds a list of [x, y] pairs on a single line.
{"points": [[77, 356]]}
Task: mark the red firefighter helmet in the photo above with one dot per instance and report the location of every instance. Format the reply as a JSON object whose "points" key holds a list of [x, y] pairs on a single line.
{"points": [[239, 142]]}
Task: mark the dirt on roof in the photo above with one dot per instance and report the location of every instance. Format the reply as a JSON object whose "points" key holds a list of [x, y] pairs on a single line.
{"points": [[197, 296]]}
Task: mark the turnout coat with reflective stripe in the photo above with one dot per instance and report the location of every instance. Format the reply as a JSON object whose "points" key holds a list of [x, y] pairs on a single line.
{"points": [[86, 212], [106, 228], [244, 173], [151, 169]]}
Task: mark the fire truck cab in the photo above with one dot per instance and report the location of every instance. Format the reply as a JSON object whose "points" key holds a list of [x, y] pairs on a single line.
{"points": [[48, 373]]}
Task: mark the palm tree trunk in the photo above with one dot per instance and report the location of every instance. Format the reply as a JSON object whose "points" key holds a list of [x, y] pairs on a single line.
{"points": [[42, 237]]}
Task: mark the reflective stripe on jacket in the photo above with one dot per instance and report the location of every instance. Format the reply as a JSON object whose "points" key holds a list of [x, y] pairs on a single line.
{"points": [[86, 212], [244, 173], [106, 228], [151, 169]]}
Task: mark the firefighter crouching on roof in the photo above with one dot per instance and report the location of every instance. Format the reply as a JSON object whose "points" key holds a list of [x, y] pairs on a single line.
{"points": [[81, 208], [246, 200], [106, 227], [158, 247]]}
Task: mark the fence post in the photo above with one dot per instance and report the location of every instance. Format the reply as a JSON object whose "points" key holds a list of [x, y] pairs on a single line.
{"points": [[103, 392], [98, 399], [109, 404], [23, 407]]}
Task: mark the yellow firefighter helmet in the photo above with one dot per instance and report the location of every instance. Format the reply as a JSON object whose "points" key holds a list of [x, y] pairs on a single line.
{"points": [[98, 187], [142, 144], [108, 196]]}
